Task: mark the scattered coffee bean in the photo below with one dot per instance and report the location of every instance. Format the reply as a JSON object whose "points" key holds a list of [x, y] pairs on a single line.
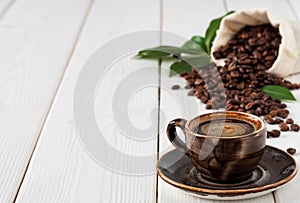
{"points": [[283, 127], [188, 87], [175, 87], [283, 113], [267, 117], [278, 120], [275, 133], [191, 93], [295, 127], [289, 121], [291, 150], [274, 113], [269, 134], [208, 106], [270, 121]]}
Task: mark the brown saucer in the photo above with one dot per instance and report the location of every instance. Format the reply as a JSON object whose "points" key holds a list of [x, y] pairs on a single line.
{"points": [[274, 170]]}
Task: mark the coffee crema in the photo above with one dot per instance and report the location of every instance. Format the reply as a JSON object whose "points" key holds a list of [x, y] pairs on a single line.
{"points": [[226, 127]]}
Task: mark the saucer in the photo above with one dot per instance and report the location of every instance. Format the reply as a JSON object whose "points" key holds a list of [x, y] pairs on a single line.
{"points": [[275, 169]]}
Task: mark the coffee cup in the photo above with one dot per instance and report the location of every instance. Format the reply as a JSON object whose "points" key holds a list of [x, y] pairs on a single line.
{"points": [[223, 146]]}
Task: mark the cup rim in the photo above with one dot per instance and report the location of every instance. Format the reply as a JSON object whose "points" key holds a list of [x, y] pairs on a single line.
{"points": [[262, 127]]}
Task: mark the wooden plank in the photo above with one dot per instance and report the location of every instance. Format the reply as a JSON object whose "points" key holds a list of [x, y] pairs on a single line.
{"points": [[75, 176], [281, 8], [288, 139], [34, 50], [189, 18]]}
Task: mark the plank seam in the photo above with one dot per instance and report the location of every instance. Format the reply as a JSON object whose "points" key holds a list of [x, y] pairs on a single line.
{"points": [[6, 9], [158, 97], [225, 5], [82, 25], [274, 198], [158, 127]]}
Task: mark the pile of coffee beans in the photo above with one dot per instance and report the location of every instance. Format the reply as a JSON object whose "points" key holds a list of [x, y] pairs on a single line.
{"points": [[253, 45], [236, 85]]}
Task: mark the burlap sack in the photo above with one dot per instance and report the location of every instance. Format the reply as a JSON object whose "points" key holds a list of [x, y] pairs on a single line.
{"points": [[288, 61]]}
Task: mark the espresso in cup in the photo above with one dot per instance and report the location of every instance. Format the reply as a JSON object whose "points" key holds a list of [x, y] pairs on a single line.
{"points": [[227, 127], [223, 146]]}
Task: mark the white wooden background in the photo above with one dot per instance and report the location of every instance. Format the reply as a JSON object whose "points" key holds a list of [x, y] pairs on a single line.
{"points": [[45, 43]]}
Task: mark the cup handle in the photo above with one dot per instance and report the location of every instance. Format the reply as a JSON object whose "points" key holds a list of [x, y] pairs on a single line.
{"points": [[172, 134]]}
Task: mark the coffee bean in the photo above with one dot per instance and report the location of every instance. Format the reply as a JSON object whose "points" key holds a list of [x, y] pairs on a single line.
{"points": [[267, 117], [270, 58], [283, 127], [246, 61], [175, 87], [228, 107], [191, 93], [198, 81], [259, 112], [235, 74], [291, 150], [232, 68], [257, 55], [278, 120], [271, 121], [282, 105], [261, 41], [289, 121], [295, 127], [204, 99], [260, 67], [265, 53], [208, 106], [225, 48], [283, 113], [273, 113], [275, 133], [269, 134], [250, 105], [244, 35]]}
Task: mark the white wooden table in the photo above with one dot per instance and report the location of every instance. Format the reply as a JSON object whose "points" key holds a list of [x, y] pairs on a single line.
{"points": [[44, 46]]}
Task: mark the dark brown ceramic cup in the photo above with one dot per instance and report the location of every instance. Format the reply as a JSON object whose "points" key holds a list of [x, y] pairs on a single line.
{"points": [[218, 156]]}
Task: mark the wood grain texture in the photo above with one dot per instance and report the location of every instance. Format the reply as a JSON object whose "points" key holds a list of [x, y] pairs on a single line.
{"points": [[281, 8], [61, 170], [74, 176], [35, 43], [184, 19]]}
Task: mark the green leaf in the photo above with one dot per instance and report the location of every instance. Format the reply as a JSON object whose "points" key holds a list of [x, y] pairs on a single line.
{"points": [[151, 54], [278, 92], [212, 30], [196, 42], [187, 64], [180, 67], [162, 51]]}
